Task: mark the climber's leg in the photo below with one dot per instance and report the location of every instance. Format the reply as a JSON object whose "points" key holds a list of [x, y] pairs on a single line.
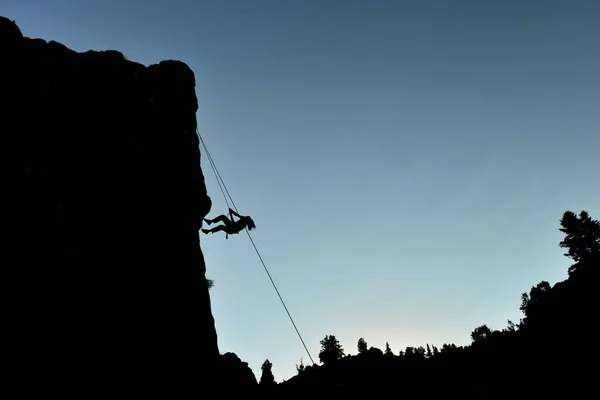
{"points": [[220, 218], [218, 228]]}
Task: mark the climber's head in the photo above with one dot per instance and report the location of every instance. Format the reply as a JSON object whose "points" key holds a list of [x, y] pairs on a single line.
{"points": [[250, 223]]}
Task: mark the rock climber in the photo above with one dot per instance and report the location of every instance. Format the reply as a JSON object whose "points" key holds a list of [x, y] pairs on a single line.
{"points": [[230, 226]]}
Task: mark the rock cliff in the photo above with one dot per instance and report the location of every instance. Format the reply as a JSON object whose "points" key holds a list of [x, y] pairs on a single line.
{"points": [[104, 196]]}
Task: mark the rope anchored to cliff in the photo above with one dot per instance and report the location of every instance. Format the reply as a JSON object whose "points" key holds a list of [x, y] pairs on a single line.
{"points": [[248, 225]]}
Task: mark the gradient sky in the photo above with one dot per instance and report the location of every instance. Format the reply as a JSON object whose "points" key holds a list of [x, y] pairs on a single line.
{"points": [[406, 162]]}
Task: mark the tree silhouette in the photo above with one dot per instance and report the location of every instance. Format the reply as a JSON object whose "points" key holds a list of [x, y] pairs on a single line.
{"points": [[582, 237], [267, 378], [388, 351], [374, 351], [428, 354], [480, 333], [536, 295], [362, 346], [300, 368], [420, 352], [511, 326], [331, 349]]}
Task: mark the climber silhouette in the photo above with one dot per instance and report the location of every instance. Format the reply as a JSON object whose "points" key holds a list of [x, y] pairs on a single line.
{"points": [[230, 226]]}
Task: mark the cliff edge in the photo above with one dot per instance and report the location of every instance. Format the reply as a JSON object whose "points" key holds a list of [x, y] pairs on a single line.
{"points": [[104, 196]]}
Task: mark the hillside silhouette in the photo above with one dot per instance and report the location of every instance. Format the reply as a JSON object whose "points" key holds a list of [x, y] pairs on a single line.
{"points": [[547, 354]]}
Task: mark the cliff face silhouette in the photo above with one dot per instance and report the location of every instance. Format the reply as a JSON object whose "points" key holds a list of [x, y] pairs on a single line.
{"points": [[104, 199]]}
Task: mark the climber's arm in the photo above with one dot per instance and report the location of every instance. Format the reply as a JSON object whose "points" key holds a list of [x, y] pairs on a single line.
{"points": [[231, 212]]}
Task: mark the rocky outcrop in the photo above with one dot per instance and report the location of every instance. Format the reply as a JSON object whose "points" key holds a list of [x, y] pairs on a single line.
{"points": [[104, 196], [236, 373]]}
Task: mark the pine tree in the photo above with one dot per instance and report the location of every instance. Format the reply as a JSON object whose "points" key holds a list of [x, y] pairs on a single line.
{"points": [[267, 378], [388, 351], [582, 240], [331, 349], [362, 346]]}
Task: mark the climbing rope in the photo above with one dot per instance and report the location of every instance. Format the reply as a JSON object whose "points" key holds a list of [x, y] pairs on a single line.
{"points": [[215, 171], [224, 191]]}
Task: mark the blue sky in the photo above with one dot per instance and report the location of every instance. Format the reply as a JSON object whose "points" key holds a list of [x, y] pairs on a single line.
{"points": [[406, 162]]}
